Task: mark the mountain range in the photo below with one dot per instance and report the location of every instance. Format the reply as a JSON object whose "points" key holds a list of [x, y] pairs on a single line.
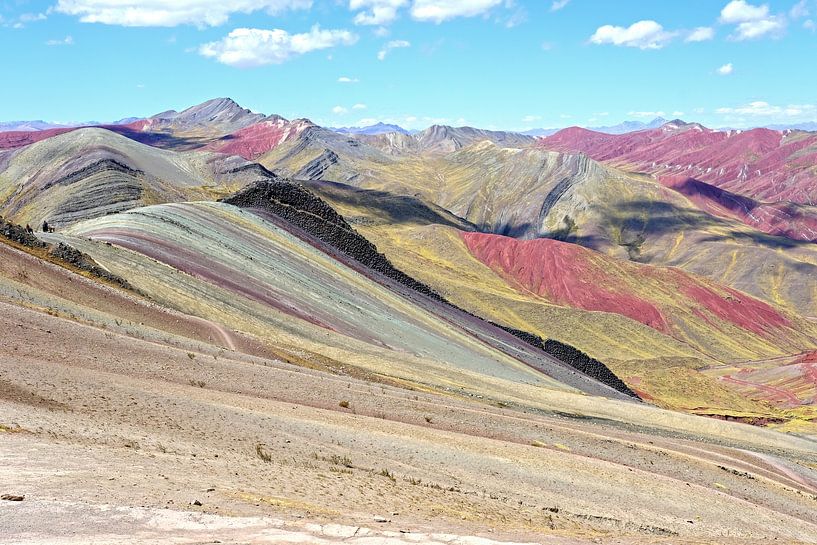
{"points": [[385, 128], [584, 331]]}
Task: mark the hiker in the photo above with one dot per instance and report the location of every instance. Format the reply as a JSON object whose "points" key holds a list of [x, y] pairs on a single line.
{"points": [[45, 227], [29, 230]]}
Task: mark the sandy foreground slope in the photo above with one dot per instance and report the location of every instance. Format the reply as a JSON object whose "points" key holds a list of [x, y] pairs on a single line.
{"points": [[112, 436]]}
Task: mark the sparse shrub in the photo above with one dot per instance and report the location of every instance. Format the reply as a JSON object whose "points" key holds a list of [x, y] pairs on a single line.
{"points": [[386, 473], [344, 461], [199, 383], [428, 418], [191, 355], [344, 404]]}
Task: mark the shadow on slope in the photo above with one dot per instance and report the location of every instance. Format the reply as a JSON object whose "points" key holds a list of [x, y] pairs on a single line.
{"points": [[389, 207], [656, 218]]}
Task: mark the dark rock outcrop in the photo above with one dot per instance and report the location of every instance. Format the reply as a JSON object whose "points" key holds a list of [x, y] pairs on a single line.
{"points": [[587, 365], [299, 206], [84, 262], [573, 357], [295, 204], [60, 253], [18, 234]]}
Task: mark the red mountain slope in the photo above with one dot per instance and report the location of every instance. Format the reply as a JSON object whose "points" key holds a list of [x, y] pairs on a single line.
{"points": [[761, 163], [666, 299], [253, 141], [764, 178]]}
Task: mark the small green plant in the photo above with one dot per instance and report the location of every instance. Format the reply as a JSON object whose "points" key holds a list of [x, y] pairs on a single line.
{"points": [[386, 473], [412, 480], [263, 453]]}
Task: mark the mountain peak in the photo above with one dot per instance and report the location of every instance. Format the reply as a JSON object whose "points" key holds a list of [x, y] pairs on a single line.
{"points": [[681, 125], [221, 115]]}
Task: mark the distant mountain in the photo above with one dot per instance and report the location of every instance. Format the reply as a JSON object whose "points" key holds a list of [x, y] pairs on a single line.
{"points": [[443, 138], [631, 126], [752, 175], [377, 128], [540, 132], [621, 128], [810, 126], [218, 116], [36, 125], [39, 125]]}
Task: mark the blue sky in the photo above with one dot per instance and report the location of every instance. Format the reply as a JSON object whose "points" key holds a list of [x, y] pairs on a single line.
{"points": [[509, 64]]}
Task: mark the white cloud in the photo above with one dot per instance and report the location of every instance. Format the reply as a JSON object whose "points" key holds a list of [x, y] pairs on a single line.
{"points": [[643, 35], [531, 118], [809, 25], [651, 115], [339, 110], [381, 32], [740, 11], [394, 44], [251, 47], [345, 79], [359, 106], [756, 29], [799, 10], [726, 69], [701, 34], [201, 13], [558, 4], [752, 21], [376, 12], [32, 17], [438, 11], [761, 108], [68, 40]]}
